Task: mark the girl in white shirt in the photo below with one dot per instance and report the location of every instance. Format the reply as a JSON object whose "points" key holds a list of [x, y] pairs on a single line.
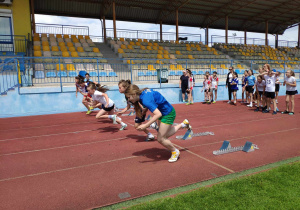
{"points": [[270, 78], [108, 107], [291, 90], [260, 86]]}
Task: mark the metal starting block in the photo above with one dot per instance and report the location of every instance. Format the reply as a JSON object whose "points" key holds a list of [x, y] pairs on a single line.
{"points": [[149, 117], [130, 114], [226, 148], [189, 135]]}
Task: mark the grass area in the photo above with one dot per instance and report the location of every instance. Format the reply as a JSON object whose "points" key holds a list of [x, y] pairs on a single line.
{"points": [[278, 188]]}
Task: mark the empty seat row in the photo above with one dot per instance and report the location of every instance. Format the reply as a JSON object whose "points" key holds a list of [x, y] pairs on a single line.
{"points": [[52, 74]]}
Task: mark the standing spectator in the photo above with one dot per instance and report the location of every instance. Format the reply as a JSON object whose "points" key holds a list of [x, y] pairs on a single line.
{"points": [[184, 83], [228, 83]]}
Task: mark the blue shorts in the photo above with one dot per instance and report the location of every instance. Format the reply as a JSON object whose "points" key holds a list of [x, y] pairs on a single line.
{"points": [[140, 120]]}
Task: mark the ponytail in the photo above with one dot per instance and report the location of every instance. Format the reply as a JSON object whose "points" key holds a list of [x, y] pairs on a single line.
{"points": [[98, 87]]}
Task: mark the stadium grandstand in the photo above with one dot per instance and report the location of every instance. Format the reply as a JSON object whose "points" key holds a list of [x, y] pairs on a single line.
{"points": [[47, 54]]}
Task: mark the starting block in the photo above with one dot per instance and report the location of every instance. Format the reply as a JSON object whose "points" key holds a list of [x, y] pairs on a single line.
{"points": [[189, 135], [149, 117], [226, 148], [130, 114]]}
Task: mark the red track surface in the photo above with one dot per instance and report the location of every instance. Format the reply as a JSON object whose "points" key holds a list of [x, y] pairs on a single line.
{"points": [[73, 161]]}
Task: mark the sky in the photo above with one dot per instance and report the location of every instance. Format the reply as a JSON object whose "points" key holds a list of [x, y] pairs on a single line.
{"points": [[95, 29]]}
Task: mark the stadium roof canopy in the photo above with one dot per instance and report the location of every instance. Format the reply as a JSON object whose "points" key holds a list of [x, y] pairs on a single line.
{"points": [[249, 15]]}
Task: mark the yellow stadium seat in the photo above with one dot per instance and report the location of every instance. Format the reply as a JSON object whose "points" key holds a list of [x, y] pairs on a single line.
{"points": [[61, 44], [159, 56], [160, 52], [160, 48], [37, 54], [36, 35], [132, 43], [190, 57], [143, 47], [178, 52], [54, 48], [74, 54], [120, 50], [45, 43], [138, 44], [123, 46], [139, 40], [80, 36], [166, 52], [36, 38], [75, 40], [65, 54], [73, 36], [177, 42], [151, 68], [155, 44], [87, 37], [192, 45], [149, 47], [51, 35], [66, 36], [122, 39], [166, 56], [70, 44], [58, 36], [96, 50], [43, 35], [80, 49], [37, 48], [61, 67], [145, 40], [46, 48], [130, 47], [63, 49], [155, 48], [179, 67], [150, 44], [70, 67], [72, 49]]}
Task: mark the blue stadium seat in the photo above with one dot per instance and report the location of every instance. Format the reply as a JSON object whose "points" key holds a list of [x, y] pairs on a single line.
{"points": [[172, 73], [149, 73], [8, 68], [102, 74], [93, 74], [194, 72], [219, 72], [141, 74], [8, 60], [72, 74], [62, 74], [154, 73], [20, 54], [237, 71], [200, 72], [82, 73], [0, 60], [297, 71], [39, 75], [10, 53], [225, 71], [178, 73], [254, 72], [242, 71], [51, 74], [112, 74]]}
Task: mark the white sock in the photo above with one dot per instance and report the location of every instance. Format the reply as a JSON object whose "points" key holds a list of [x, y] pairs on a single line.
{"points": [[110, 116], [183, 125], [118, 118], [123, 124], [250, 103], [149, 134]]}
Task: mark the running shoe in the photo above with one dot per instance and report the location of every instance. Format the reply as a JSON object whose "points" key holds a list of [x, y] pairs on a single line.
{"points": [[191, 103], [228, 102], [187, 104], [154, 126], [277, 110], [250, 105], [187, 124], [285, 112], [214, 102], [256, 110], [123, 127], [150, 137], [274, 113], [91, 108], [291, 113], [89, 112], [174, 157], [266, 111]]}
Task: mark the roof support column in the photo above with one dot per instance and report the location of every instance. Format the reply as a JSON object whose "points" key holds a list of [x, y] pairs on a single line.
{"points": [[276, 41], [114, 19], [299, 35], [176, 24], [32, 16], [206, 36], [226, 29], [104, 28], [245, 36], [266, 35], [160, 31]]}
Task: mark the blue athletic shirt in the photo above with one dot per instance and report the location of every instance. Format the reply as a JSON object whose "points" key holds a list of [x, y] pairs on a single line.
{"points": [[154, 100], [251, 80], [235, 87]]}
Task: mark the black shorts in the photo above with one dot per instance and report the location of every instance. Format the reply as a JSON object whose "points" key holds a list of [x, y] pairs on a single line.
{"points": [[140, 120], [277, 87], [291, 93], [207, 90], [108, 109], [234, 90], [270, 95], [250, 89], [260, 93], [183, 89]]}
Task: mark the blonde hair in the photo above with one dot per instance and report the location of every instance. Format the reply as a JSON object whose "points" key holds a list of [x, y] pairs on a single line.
{"points": [[292, 72], [125, 83], [268, 66], [98, 87], [135, 90]]}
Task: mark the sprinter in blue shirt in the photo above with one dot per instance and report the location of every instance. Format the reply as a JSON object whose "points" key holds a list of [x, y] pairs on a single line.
{"points": [[250, 84], [234, 86], [163, 112]]}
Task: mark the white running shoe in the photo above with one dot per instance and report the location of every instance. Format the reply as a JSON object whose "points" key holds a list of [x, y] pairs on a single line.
{"points": [[150, 137], [187, 124], [249, 105], [123, 127], [228, 102], [154, 126], [174, 157]]}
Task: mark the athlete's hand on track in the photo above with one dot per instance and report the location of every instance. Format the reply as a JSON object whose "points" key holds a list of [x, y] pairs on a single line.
{"points": [[141, 127]]}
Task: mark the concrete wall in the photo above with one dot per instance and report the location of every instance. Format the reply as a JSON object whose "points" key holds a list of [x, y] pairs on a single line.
{"points": [[14, 104]]}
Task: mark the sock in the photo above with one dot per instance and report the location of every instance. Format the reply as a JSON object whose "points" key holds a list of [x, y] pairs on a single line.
{"points": [[110, 116], [250, 103], [119, 118], [123, 124], [183, 125], [149, 134]]}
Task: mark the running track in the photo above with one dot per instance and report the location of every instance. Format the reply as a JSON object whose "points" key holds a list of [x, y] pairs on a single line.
{"points": [[73, 161]]}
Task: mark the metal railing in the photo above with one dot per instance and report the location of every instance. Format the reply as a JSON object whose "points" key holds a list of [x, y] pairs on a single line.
{"points": [[61, 29], [60, 72], [237, 40], [155, 35], [13, 45], [285, 43]]}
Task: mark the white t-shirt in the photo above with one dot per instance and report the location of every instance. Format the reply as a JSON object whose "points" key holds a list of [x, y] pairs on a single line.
{"points": [[260, 86], [214, 82], [270, 83], [98, 96], [230, 76], [290, 79], [82, 88]]}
